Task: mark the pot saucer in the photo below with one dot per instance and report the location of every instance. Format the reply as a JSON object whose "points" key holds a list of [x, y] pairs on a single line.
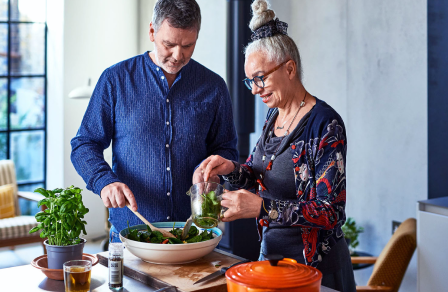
{"points": [[57, 274]]}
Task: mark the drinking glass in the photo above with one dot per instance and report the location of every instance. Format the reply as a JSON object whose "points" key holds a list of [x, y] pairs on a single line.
{"points": [[77, 275]]}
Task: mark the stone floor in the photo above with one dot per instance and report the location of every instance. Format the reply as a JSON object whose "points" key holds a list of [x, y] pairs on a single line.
{"points": [[24, 254]]}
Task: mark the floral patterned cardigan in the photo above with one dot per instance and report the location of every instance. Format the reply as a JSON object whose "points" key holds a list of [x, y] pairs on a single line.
{"points": [[318, 154]]}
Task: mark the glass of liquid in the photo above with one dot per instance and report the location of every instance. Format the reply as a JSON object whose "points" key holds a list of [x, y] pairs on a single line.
{"points": [[77, 275], [205, 198]]}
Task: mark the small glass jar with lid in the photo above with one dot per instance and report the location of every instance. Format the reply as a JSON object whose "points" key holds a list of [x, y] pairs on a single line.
{"points": [[116, 266]]}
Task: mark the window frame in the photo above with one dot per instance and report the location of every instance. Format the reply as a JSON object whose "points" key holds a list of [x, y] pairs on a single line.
{"points": [[9, 77]]}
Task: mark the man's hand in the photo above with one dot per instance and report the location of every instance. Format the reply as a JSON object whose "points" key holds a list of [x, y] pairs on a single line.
{"points": [[116, 194], [211, 167], [241, 204]]}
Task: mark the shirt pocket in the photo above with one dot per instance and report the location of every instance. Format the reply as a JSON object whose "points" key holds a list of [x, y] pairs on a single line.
{"points": [[193, 120]]}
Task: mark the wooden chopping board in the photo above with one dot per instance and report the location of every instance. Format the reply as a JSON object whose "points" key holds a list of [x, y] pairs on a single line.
{"points": [[181, 276]]}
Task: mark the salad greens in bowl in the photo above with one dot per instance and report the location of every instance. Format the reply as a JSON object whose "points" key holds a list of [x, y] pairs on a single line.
{"points": [[151, 247], [150, 236]]}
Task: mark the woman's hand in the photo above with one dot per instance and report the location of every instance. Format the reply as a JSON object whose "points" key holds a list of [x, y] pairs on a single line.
{"points": [[241, 204], [198, 176], [211, 167]]}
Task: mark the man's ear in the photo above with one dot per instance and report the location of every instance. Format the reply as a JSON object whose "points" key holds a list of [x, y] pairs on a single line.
{"points": [[291, 68], [152, 32]]}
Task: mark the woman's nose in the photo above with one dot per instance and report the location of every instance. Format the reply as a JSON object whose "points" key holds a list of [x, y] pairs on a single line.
{"points": [[255, 89]]}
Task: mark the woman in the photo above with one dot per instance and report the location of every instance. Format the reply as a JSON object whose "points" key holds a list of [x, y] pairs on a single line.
{"points": [[297, 168]]}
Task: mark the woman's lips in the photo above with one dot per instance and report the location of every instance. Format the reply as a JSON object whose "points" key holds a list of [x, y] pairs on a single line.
{"points": [[266, 97]]}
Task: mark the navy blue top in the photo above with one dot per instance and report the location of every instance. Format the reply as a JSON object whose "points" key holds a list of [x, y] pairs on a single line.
{"points": [[159, 135]]}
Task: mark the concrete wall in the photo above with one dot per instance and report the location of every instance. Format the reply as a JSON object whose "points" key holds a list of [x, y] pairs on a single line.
{"points": [[368, 59], [387, 106]]}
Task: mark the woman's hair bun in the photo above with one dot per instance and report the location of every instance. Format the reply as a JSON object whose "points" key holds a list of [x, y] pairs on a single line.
{"points": [[261, 14]]}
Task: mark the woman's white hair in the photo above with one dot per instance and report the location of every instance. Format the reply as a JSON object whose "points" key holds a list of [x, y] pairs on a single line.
{"points": [[278, 48]]}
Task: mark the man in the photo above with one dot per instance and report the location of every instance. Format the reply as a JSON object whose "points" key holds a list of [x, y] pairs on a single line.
{"points": [[164, 113]]}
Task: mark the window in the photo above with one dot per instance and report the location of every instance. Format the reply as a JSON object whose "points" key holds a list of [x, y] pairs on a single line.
{"points": [[23, 100]]}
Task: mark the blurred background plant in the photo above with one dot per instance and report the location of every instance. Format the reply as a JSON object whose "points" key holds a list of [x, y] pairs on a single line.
{"points": [[351, 232]]}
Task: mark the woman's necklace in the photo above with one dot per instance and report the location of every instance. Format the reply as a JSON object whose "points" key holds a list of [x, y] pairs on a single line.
{"points": [[261, 186], [279, 128], [287, 131]]}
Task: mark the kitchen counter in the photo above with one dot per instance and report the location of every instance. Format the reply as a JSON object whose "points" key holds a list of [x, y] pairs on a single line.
{"points": [[28, 278]]}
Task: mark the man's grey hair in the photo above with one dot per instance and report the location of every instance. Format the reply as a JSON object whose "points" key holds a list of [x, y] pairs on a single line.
{"points": [[184, 14]]}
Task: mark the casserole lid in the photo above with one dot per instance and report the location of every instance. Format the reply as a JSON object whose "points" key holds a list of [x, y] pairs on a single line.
{"points": [[277, 272]]}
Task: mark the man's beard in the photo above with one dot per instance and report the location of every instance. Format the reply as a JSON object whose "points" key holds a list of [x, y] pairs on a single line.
{"points": [[164, 66]]}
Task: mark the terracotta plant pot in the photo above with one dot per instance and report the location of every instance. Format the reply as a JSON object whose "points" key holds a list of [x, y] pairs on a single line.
{"points": [[58, 255]]}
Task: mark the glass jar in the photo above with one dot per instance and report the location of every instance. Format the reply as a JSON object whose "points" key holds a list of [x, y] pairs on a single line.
{"points": [[116, 266], [205, 198]]}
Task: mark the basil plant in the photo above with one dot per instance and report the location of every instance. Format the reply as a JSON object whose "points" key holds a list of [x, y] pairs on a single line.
{"points": [[62, 222]]}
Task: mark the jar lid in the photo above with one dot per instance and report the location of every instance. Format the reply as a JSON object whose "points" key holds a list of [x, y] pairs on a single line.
{"points": [[116, 248], [284, 273]]}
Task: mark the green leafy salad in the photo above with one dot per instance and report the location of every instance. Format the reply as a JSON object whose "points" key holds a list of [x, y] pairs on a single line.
{"points": [[194, 235]]}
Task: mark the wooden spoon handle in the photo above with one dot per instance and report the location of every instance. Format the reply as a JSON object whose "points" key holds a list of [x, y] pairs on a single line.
{"points": [[139, 216], [164, 232]]}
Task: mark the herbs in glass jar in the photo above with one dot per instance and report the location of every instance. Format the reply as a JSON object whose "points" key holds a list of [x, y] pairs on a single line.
{"points": [[210, 211], [62, 222]]}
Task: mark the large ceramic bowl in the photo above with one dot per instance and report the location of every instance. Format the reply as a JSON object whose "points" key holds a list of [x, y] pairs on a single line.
{"points": [[157, 253]]}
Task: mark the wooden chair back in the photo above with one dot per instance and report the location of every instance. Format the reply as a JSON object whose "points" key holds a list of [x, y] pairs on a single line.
{"points": [[393, 261]]}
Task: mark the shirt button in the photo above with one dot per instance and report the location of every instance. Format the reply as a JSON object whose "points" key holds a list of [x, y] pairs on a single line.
{"points": [[168, 218], [168, 169], [167, 145], [168, 194], [157, 68], [167, 123], [167, 100], [163, 77]]}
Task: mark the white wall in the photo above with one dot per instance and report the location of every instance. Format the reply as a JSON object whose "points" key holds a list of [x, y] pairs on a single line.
{"points": [[211, 47], [55, 93], [368, 59], [145, 8], [85, 37]]}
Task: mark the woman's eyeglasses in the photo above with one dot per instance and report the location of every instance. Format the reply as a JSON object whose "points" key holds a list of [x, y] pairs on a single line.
{"points": [[258, 80]]}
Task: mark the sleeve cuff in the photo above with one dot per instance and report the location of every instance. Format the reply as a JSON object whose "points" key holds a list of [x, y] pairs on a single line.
{"points": [[104, 181], [235, 175]]}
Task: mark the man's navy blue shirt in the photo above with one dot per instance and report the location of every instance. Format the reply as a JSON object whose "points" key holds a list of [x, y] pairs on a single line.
{"points": [[159, 135]]}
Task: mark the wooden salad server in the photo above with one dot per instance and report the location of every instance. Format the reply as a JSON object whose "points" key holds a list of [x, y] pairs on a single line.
{"points": [[186, 228], [153, 228]]}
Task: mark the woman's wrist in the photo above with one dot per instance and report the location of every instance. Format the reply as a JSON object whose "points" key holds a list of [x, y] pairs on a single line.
{"points": [[235, 168]]}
